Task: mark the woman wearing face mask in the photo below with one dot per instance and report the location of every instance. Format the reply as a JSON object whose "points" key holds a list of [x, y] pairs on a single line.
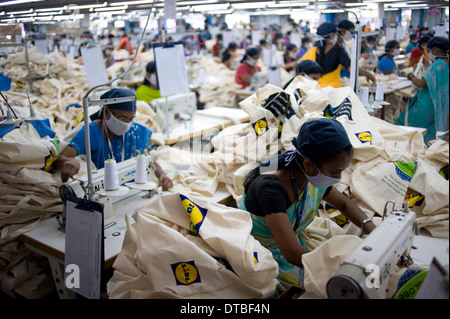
{"points": [[247, 67], [149, 90], [284, 200], [108, 56], [308, 69], [419, 51], [329, 55], [305, 47], [412, 43], [290, 57], [386, 65], [345, 29], [429, 107], [113, 135], [124, 42]]}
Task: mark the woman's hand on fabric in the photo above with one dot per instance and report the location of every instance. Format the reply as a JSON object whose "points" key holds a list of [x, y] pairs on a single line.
{"points": [[69, 168], [165, 182]]}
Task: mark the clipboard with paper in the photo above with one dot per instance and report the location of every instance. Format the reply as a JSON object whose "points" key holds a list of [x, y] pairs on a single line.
{"points": [[171, 68], [84, 260]]}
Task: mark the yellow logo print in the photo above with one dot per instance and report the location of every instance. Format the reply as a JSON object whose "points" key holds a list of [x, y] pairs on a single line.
{"points": [[186, 273], [261, 126], [196, 213], [78, 120], [365, 137]]}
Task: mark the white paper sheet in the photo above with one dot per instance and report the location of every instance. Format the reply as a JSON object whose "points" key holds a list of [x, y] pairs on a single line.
{"points": [[171, 70], [83, 248], [274, 76], [94, 66]]}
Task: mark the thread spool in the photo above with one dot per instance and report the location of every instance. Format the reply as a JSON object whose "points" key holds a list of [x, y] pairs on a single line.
{"points": [[141, 172], [364, 96], [111, 176], [379, 93]]}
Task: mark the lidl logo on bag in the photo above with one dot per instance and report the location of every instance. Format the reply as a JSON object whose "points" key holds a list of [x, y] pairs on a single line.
{"points": [[405, 170], [365, 137], [196, 213], [255, 257], [186, 273], [50, 158], [78, 120], [414, 199], [261, 126]]}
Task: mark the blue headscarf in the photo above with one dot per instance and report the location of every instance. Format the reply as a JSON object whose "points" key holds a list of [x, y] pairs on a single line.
{"points": [[119, 92]]}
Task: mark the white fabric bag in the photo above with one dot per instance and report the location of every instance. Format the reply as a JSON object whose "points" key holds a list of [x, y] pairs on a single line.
{"points": [[163, 257]]}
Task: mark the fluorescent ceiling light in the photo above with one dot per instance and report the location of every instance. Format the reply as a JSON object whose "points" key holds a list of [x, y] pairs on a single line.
{"points": [[21, 12], [12, 2], [220, 11], [405, 5], [288, 4], [50, 13], [251, 5], [209, 7], [130, 3], [190, 3], [112, 8], [111, 12]]}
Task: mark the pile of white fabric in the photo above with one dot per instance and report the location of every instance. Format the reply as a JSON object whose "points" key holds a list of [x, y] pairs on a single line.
{"points": [[60, 82], [28, 195]]}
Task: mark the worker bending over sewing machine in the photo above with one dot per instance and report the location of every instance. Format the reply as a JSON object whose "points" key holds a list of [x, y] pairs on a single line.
{"points": [[113, 135], [284, 200]]}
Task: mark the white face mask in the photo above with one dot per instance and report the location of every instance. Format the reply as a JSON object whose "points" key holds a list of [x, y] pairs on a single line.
{"points": [[347, 36], [117, 126], [431, 56], [320, 180], [370, 45], [251, 61], [396, 52], [333, 41], [293, 55], [152, 79]]}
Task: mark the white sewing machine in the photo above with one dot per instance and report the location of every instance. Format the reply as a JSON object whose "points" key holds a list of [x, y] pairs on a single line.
{"points": [[126, 172], [365, 273]]}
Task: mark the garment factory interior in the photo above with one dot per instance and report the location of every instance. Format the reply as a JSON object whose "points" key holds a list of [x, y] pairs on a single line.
{"points": [[241, 149]]}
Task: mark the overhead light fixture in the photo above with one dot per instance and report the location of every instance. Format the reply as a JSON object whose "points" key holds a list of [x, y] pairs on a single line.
{"points": [[130, 3], [405, 5], [21, 12], [251, 5], [112, 8], [288, 4], [50, 13], [13, 2], [209, 7]]}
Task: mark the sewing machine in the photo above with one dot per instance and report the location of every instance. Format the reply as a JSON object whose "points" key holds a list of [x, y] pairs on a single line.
{"points": [[365, 273], [126, 172]]}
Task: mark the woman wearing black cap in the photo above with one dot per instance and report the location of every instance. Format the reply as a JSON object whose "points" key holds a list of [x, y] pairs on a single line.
{"points": [[247, 67], [429, 107], [149, 90], [283, 195], [308, 69], [386, 65], [329, 55], [114, 134]]}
